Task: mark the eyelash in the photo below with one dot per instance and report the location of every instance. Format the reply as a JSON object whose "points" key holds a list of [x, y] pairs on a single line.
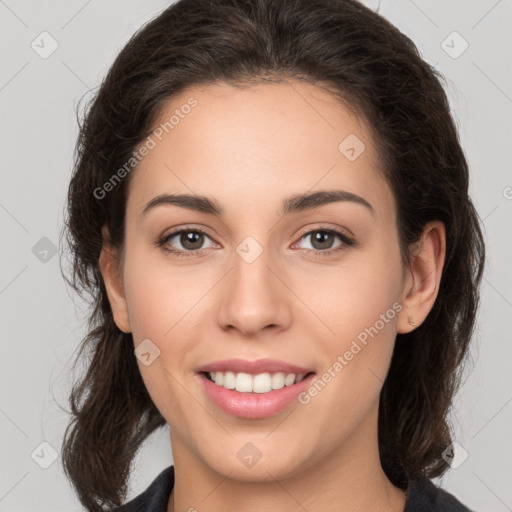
{"points": [[347, 242]]}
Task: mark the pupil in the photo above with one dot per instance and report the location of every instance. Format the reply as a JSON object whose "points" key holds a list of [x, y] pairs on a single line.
{"points": [[320, 236], [190, 239]]}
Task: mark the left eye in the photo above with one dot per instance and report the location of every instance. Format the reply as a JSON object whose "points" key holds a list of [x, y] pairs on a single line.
{"points": [[322, 239]]}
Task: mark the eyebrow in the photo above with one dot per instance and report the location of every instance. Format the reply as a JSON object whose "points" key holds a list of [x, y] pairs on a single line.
{"points": [[293, 204]]}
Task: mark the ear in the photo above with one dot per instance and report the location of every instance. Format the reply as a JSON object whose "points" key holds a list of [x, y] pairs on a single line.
{"points": [[421, 283], [110, 268]]}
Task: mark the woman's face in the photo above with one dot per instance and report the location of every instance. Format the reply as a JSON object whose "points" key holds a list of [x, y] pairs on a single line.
{"points": [[261, 283]]}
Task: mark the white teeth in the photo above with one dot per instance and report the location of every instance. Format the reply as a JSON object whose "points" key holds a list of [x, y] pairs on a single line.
{"points": [[229, 380], [260, 383], [278, 381], [243, 382], [289, 379]]}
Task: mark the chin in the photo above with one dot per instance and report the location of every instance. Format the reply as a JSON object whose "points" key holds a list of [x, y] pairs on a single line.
{"points": [[250, 464]]}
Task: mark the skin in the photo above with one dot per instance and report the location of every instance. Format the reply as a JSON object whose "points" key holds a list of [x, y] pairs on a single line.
{"points": [[250, 149]]}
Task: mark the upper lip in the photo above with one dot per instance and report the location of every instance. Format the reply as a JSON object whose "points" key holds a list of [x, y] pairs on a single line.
{"points": [[253, 367]]}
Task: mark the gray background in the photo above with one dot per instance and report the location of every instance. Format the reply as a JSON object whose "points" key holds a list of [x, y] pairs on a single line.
{"points": [[42, 323]]}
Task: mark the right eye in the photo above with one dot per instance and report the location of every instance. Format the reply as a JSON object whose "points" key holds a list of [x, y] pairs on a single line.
{"points": [[191, 241]]}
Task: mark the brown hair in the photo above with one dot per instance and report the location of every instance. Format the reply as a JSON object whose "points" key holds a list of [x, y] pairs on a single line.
{"points": [[369, 64]]}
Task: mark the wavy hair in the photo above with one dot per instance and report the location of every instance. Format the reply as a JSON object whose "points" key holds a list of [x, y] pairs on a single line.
{"points": [[377, 71]]}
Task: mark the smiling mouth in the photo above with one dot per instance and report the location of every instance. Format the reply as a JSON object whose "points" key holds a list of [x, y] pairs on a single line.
{"points": [[258, 383]]}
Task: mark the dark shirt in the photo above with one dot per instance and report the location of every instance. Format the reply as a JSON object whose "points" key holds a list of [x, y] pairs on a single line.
{"points": [[422, 496]]}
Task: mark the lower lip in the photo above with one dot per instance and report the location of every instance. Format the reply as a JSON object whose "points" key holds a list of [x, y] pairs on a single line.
{"points": [[254, 405]]}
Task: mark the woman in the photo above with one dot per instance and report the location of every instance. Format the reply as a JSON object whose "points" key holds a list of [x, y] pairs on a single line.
{"points": [[270, 210]]}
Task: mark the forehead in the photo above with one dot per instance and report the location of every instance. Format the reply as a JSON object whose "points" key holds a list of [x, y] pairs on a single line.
{"points": [[262, 142]]}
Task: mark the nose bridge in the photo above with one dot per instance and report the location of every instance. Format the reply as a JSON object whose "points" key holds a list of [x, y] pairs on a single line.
{"points": [[254, 297], [251, 266]]}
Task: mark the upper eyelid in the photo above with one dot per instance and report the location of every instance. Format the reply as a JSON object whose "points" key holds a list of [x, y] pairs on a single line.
{"points": [[337, 230]]}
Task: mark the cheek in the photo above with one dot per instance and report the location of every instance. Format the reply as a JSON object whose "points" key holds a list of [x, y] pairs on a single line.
{"points": [[353, 295], [358, 307], [158, 294], [149, 300], [165, 305], [160, 306]]}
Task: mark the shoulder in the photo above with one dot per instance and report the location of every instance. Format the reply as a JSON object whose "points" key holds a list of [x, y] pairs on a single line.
{"points": [[155, 498], [424, 496]]}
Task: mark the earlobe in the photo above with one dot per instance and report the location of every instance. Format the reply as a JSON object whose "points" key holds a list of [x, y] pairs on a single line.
{"points": [[423, 277], [110, 269]]}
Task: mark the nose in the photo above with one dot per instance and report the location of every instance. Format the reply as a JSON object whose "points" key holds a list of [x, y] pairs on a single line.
{"points": [[254, 295]]}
